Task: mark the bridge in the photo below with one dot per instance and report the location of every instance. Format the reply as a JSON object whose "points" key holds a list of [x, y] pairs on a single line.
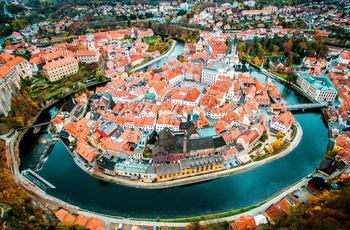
{"points": [[35, 125], [306, 106]]}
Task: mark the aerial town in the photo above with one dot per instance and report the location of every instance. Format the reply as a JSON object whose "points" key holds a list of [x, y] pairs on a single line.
{"points": [[169, 94]]}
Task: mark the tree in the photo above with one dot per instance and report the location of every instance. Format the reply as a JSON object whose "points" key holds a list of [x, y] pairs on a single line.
{"points": [[292, 77], [82, 88], [264, 137], [270, 150], [288, 47], [280, 135], [260, 50], [290, 60], [257, 61], [99, 75], [18, 24], [73, 143], [195, 226], [242, 47]]}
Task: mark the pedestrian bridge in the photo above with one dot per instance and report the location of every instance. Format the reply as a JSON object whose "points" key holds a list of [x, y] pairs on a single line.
{"points": [[306, 106], [36, 125]]}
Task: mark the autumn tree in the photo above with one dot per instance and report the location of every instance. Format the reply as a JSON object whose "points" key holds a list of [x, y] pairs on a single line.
{"points": [[280, 135], [195, 226], [288, 47], [328, 210], [270, 150], [18, 24]]}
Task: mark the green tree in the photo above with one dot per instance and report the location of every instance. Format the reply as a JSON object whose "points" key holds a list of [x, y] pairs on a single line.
{"points": [[82, 88], [99, 75], [292, 77], [73, 143], [242, 47], [264, 137]]}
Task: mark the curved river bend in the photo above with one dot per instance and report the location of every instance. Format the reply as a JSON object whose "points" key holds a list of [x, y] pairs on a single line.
{"points": [[233, 192]]}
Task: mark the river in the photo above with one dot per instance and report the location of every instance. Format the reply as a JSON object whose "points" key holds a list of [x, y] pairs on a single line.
{"points": [[229, 193]]}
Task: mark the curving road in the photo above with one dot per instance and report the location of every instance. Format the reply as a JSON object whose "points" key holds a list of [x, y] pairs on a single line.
{"points": [[5, 9]]}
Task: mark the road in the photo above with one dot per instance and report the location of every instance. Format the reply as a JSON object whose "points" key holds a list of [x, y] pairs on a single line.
{"points": [[5, 9]]}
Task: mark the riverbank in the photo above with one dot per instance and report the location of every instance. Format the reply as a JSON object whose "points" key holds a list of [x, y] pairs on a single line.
{"points": [[54, 203], [194, 179], [143, 65]]}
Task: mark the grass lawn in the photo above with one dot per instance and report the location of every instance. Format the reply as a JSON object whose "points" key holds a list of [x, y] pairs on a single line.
{"points": [[151, 40], [282, 75], [53, 93], [274, 56]]}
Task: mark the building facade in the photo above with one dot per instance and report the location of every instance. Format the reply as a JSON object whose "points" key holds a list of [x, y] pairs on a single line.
{"points": [[209, 75], [56, 70], [320, 88], [88, 56]]}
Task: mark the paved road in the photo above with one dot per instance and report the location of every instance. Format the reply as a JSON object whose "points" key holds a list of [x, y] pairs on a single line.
{"points": [[5, 9]]}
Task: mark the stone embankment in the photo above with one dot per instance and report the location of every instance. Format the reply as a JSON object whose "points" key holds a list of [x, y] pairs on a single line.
{"points": [[198, 178], [173, 44]]}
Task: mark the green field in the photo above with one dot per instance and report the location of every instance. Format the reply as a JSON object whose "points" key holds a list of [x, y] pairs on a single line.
{"points": [[151, 40], [276, 56], [282, 75]]}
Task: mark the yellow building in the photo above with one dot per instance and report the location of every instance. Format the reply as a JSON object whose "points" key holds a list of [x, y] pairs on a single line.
{"points": [[190, 167], [57, 69]]}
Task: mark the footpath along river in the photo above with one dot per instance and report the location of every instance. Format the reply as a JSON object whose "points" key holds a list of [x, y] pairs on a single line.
{"points": [[229, 193]]}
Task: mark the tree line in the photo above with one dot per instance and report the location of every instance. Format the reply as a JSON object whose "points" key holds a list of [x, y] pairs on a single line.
{"points": [[293, 49]]}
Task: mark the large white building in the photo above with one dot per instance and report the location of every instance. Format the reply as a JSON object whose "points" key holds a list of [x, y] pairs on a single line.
{"points": [[283, 123], [57, 69], [320, 88], [209, 75]]}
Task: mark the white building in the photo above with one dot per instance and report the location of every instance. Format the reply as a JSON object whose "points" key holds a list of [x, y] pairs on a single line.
{"points": [[88, 56], [209, 75], [283, 123], [320, 88]]}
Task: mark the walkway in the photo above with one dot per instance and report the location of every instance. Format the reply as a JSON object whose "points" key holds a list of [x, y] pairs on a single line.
{"points": [[306, 106], [35, 125]]}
